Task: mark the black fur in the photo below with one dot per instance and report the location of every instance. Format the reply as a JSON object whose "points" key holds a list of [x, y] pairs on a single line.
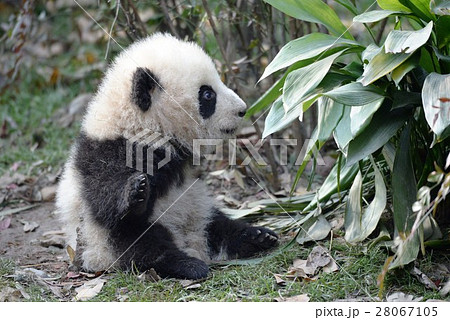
{"points": [[207, 101], [239, 239], [121, 200], [144, 82]]}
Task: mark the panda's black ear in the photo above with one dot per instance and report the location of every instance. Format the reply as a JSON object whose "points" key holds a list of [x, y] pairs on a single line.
{"points": [[144, 83]]}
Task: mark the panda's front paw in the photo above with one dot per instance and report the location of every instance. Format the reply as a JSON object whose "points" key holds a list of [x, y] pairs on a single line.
{"points": [[138, 192]]}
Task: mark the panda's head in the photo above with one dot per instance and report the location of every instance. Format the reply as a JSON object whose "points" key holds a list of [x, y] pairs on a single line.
{"points": [[164, 85]]}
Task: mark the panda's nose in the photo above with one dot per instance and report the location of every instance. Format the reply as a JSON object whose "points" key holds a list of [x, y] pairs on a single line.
{"points": [[241, 113]]}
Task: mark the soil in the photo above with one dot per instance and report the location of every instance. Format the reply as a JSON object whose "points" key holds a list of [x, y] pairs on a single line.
{"points": [[32, 249]]}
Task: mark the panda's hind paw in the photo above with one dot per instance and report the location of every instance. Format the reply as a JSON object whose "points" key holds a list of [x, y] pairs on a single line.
{"points": [[259, 237]]}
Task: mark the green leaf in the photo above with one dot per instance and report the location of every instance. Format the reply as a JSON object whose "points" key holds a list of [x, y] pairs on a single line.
{"points": [[399, 72], [374, 16], [358, 224], [303, 48], [404, 188], [443, 31], [332, 185], [278, 119], [343, 133], [348, 5], [436, 102], [407, 41], [370, 52], [380, 65], [313, 11], [382, 127], [328, 116], [421, 8], [267, 98], [355, 94], [404, 191], [300, 83], [392, 5], [407, 251], [360, 116]]}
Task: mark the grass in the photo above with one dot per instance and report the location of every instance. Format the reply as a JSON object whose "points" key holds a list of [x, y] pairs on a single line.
{"points": [[355, 279]]}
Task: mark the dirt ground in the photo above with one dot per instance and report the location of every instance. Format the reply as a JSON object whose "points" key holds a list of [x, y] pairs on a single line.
{"points": [[40, 248]]}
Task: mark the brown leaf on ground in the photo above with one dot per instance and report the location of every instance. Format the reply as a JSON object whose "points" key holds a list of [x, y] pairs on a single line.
{"points": [[402, 297], [53, 238], [279, 280], [318, 259], [29, 226], [423, 278], [5, 223], [298, 298], [89, 289]]}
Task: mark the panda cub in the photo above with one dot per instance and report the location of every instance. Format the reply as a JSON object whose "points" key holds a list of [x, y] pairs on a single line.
{"points": [[162, 218]]}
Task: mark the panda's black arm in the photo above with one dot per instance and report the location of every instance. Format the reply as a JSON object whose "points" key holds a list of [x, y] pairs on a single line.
{"points": [[110, 188], [237, 238]]}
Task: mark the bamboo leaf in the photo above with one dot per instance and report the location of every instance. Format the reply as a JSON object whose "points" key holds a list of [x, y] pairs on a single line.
{"points": [[267, 98], [314, 229], [404, 188], [355, 94], [382, 127], [380, 65], [301, 82], [358, 224], [303, 48], [278, 119], [392, 5], [343, 133], [407, 41], [360, 116], [328, 116], [374, 16], [313, 11], [421, 8], [436, 102]]}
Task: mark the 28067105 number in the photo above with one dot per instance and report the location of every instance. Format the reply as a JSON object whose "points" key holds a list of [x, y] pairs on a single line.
{"points": [[406, 311]]}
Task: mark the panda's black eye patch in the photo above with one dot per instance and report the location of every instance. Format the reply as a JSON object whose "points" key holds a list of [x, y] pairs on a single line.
{"points": [[207, 101]]}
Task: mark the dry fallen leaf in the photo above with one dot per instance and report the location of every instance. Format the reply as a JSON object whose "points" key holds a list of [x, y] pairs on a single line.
{"points": [[318, 259], [445, 289], [29, 226], [190, 284], [279, 280], [89, 290], [299, 298], [402, 297], [71, 253], [423, 278], [5, 223], [53, 238]]}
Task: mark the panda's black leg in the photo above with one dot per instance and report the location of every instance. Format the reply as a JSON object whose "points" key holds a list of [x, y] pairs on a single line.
{"points": [[162, 254], [237, 238]]}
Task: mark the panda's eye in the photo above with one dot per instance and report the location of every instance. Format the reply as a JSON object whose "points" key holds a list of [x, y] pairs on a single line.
{"points": [[208, 94], [207, 101]]}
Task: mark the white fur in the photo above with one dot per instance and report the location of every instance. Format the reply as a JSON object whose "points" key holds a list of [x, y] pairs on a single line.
{"points": [[181, 68]]}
